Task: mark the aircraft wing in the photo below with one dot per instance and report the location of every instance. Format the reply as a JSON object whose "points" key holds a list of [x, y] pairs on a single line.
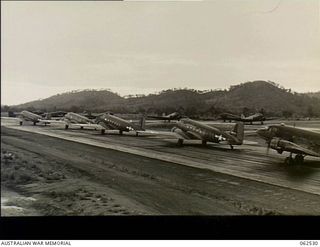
{"points": [[165, 134], [52, 121], [179, 134], [160, 117], [292, 147], [94, 126]]}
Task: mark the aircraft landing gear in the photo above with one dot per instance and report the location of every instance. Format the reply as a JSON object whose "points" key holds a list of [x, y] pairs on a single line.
{"points": [[34, 123], [180, 142], [231, 147], [81, 127], [120, 132], [298, 159], [137, 133], [294, 161], [66, 126], [261, 122], [204, 143], [103, 131], [289, 160], [20, 123]]}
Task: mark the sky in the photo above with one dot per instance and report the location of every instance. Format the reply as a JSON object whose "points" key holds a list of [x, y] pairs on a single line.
{"points": [[144, 47]]}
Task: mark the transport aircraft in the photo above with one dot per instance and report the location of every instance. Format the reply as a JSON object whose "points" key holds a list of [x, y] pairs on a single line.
{"points": [[32, 117], [188, 129], [301, 142], [75, 119], [171, 116], [257, 117], [112, 122]]}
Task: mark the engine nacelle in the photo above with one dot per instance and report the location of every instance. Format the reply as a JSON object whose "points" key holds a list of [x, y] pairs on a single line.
{"points": [[278, 144], [174, 129]]}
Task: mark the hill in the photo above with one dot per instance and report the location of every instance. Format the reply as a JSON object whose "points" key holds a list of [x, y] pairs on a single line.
{"points": [[247, 98], [76, 101], [264, 96], [315, 95]]}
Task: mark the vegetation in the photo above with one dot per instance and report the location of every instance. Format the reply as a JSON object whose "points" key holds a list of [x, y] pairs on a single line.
{"points": [[246, 98]]}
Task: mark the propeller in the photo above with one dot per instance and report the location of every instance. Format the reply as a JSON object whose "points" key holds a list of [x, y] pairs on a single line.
{"points": [[268, 146], [272, 134]]}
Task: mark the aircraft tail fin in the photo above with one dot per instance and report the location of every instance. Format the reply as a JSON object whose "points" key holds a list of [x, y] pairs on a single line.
{"points": [[142, 122], [239, 130]]}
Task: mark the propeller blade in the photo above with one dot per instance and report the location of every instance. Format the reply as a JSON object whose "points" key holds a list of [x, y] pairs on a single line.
{"points": [[268, 147]]}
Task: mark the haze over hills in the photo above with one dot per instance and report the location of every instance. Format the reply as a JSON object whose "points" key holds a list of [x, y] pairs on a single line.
{"points": [[249, 97]]}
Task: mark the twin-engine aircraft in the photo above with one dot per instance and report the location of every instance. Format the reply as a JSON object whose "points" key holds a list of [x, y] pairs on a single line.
{"points": [[32, 117], [172, 116], [257, 117], [299, 141], [188, 129], [75, 119], [112, 122]]}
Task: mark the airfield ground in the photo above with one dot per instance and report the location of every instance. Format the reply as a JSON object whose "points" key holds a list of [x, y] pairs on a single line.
{"points": [[80, 172]]}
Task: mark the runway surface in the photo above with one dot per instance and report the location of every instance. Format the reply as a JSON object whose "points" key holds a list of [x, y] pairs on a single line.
{"points": [[248, 162]]}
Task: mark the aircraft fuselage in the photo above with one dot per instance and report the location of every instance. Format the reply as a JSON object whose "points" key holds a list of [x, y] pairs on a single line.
{"points": [[205, 132], [114, 122], [29, 116], [76, 118]]}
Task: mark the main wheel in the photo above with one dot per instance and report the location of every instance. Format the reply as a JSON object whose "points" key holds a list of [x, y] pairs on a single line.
{"points": [[299, 159], [289, 161]]}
